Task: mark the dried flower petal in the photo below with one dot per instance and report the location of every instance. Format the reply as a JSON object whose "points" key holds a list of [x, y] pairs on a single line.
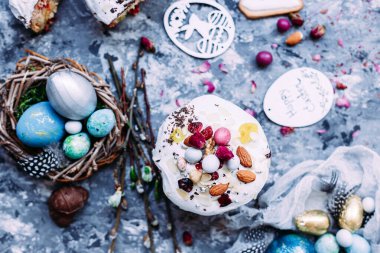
{"points": [[187, 238], [203, 68], [377, 67], [148, 45], [340, 42], [274, 46], [134, 11], [321, 131], [223, 68], [210, 85], [343, 102], [340, 86], [316, 57], [324, 11], [318, 32], [177, 102], [253, 86], [286, 130], [251, 112], [355, 134]]}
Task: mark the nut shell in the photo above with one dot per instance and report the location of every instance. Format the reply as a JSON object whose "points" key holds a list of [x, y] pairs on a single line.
{"points": [[218, 189], [245, 157], [246, 176]]}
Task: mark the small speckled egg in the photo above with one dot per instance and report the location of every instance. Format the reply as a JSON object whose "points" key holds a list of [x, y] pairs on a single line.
{"points": [[222, 136], [101, 123], [233, 163], [193, 155], [359, 245], [368, 204], [210, 164], [40, 126], [344, 238], [76, 146], [73, 127], [326, 244]]}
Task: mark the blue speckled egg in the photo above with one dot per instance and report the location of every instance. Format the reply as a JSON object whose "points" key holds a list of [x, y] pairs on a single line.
{"points": [[76, 146], [326, 244], [291, 243], [359, 245], [40, 126], [101, 123]]}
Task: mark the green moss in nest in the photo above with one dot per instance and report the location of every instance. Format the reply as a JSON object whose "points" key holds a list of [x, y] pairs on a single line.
{"points": [[32, 96]]}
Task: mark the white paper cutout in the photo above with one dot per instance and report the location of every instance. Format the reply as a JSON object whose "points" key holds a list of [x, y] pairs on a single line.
{"points": [[298, 98], [215, 32]]}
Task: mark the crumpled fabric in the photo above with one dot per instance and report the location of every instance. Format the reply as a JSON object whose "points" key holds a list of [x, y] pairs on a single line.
{"points": [[301, 189]]}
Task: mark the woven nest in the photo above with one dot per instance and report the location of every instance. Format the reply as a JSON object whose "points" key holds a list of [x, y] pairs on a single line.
{"points": [[32, 71]]}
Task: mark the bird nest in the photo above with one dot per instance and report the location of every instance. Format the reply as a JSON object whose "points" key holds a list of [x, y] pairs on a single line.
{"points": [[33, 71]]}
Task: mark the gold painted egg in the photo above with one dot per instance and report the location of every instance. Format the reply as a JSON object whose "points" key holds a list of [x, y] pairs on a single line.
{"points": [[352, 215], [314, 222]]}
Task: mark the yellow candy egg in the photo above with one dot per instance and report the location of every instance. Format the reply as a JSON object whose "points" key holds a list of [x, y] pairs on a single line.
{"points": [[177, 135], [245, 131]]}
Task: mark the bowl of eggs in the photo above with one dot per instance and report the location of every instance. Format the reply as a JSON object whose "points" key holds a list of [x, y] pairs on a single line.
{"points": [[59, 120]]}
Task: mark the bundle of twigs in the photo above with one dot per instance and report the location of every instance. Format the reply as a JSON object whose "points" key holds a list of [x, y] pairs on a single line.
{"points": [[34, 70]]}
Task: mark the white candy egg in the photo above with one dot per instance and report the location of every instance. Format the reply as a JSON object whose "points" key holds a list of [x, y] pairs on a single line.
{"points": [[344, 238], [210, 164], [73, 127], [368, 205], [193, 155], [233, 163]]}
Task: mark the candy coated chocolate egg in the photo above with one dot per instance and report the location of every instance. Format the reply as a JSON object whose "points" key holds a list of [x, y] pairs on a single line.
{"points": [[40, 126], [233, 163], [291, 243], [210, 164], [76, 146], [326, 244], [101, 123], [222, 136], [344, 238], [71, 94], [368, 205], [352, 214], [193, 155], [73, 127], [359, 245], [314, 222]]}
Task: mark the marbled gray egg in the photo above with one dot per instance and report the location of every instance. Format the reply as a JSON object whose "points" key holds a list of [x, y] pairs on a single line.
{"points": [[71, 95]]}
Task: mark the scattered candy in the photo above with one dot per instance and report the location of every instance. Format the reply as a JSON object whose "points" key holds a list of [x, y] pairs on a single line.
{"points": [[359, 245], [368, 205], [291, 243], [326, 244], [316, 58], [352, 215], [264, 58], [101, 123], [340, 85], [318, 32], [344, 238], [76, 146], [73, 127], [294, 39], [193, 155], [283, 25], [233, 163], [314, 222], [343, 102], [210, 163], [245, 131], [340, 43], [222, 136]]}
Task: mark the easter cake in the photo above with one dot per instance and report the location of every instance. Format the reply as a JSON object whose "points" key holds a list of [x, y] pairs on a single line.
{"points": [[214, 157], [34, 14]]}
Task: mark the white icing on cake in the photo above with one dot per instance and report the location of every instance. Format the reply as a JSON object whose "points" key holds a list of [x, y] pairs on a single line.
{"points": [[269, 5], [23, 10], [215, 112], [107, 11]]}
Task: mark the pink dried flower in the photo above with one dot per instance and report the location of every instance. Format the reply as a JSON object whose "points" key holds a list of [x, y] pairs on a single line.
{"points": [[177, 103], [343, 102], [324, 11], [340, 86], [134, 11], [296, 19], [316, 57], [161, 93], [274, 46], [223, 68], [318, 32], [223, 153], [377, 67], [340, 43], [251, 112], [286, 130], [210, 85], [253, 87], [321, 131], [203, 68], [355, 134], [147, 45]]}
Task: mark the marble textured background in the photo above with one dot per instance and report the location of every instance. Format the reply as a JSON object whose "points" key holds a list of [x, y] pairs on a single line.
{"points": [[24, 222]]}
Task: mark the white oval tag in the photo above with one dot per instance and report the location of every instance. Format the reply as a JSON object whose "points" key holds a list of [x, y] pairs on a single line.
{"points": [[197, 32], [298, 98]]}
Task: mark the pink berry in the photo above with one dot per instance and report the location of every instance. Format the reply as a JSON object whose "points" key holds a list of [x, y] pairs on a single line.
{"points": [[283, 25], [222, 136], [264, 58]]}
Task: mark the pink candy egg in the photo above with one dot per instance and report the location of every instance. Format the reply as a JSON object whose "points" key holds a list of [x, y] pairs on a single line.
{"points": [[222, 136]]}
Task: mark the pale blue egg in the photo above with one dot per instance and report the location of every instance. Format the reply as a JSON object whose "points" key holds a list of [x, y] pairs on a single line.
{"points": [[40, 126], [359, 245], [291, 243], [101, 123], [326, 244], [76, 146]]}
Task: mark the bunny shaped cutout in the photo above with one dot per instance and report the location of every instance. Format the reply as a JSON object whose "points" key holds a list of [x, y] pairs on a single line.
{"points": [[198, 36]]}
